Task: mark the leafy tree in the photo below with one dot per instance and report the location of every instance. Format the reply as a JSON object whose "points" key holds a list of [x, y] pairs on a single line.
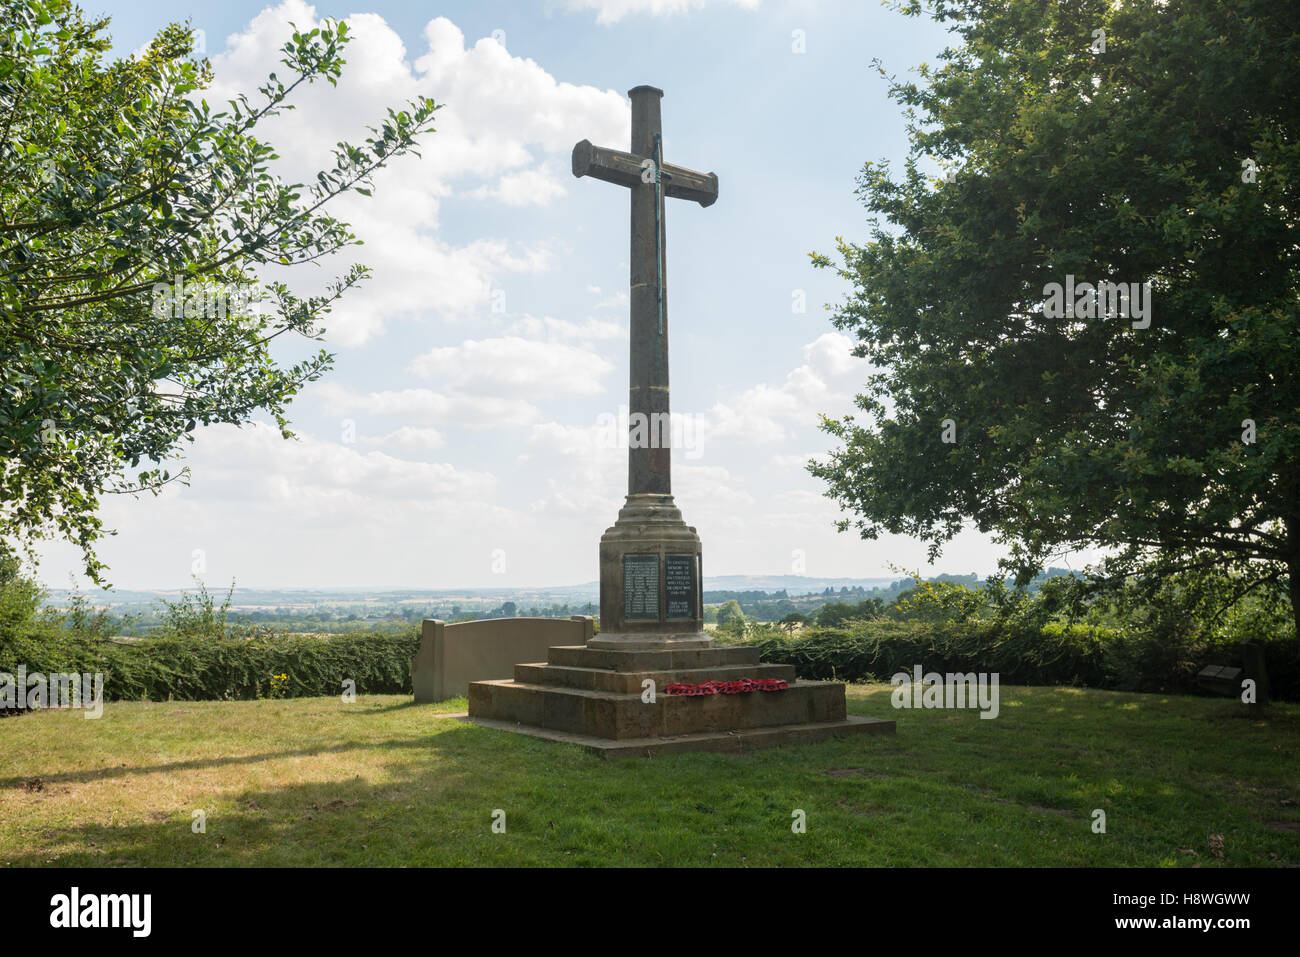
{"points": [[20, 595], [197, 615], [783, 608], [939, 601], [792, 621], [134, 221], [1161, 150], [729, 613], [836, 613]]}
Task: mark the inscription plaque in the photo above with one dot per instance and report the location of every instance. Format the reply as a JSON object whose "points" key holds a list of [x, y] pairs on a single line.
{"points": [[640, 586], [679, 586]]}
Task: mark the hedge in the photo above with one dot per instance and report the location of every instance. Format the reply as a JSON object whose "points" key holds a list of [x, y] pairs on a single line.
{"points": [[231, 668], [201, 668], [1078, 655]]}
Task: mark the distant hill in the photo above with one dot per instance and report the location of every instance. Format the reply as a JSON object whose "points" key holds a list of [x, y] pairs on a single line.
{"points": [[246, 597], [333, 610], [792, 584]]}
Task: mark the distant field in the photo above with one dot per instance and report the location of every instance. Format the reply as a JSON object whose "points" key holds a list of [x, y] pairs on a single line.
{"points": [[315, 782]]}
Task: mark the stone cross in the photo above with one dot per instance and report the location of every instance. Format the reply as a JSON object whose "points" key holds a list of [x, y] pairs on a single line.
{"points": [[651, 572], [643, 172]]}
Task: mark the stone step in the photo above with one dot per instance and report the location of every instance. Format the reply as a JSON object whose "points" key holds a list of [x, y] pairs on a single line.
{"points": [[631, 682], [609, 659], [607, 714], [725, 741]]}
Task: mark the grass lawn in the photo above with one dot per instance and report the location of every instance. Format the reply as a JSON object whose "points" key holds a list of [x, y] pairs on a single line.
{"points": [[313, 782]]}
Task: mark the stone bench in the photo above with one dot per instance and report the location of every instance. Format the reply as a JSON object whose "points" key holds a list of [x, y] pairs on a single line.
{"points": [[1228, 680], [1220, 679], [451, 656]]}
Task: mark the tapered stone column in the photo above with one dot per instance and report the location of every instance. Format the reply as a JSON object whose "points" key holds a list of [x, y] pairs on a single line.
{"points": [[649, 466]]}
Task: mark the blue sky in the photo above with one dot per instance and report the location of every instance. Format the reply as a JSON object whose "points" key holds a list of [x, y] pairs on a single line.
{"points": [[458, 441]]}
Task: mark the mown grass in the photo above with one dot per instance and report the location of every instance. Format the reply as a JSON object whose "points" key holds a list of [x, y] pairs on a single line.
{"points": [[382, 782]]}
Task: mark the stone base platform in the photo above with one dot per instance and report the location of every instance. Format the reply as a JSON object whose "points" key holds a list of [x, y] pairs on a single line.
{"points": [[721, 741], [592, 696]]}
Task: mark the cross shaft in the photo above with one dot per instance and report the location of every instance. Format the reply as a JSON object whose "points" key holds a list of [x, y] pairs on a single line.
{"points": [[649, 463]]}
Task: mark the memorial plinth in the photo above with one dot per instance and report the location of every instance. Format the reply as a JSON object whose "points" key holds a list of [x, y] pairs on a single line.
{"points": [[651, 584], [608, 695], [597, 698]]}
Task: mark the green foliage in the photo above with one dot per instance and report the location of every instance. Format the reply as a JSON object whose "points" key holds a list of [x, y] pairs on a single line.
{"points": [[20, 596], [1124, 165], [835, 614], [135, 223], [1056, 654], [192, 616], [730, 616], [1143, 634], [937, 601], [200, 667], [82, 618]]}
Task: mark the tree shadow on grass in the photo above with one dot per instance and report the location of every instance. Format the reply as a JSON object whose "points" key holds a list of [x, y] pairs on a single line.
{"points": [[427, 798], [194, 764], [400, 706], [434, 809]]}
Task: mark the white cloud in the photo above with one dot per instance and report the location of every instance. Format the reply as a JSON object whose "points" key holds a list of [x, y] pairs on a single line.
{"points": [[617, 301], [530, 187], [611, 11], [547, 327], [499, 105], [712, 493], [504, 127], [517, 366], [764, 414], [415, 274], [793, 461], [408, 438], [588, 473], [424, 406], [264, 509], [254, 463]]}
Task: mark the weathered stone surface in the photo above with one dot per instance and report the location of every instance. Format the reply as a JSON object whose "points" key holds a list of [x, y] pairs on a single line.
{"points": [[451, 656], [725, 741], [632, 682], [652, 659], [649, 528], [596, 695], [612, 714], [634, 603], [624, 169]]}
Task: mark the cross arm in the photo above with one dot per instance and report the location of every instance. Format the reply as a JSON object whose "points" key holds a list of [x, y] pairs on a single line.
{"points": [[624, 169]]}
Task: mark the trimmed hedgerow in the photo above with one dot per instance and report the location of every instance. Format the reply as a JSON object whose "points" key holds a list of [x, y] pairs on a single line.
{"points": [[1081, 655], [208, 668], [214, 668]]}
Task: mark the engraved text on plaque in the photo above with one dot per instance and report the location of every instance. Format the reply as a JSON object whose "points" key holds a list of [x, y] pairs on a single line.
{"points": [[640, 586], [679, 585]]}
